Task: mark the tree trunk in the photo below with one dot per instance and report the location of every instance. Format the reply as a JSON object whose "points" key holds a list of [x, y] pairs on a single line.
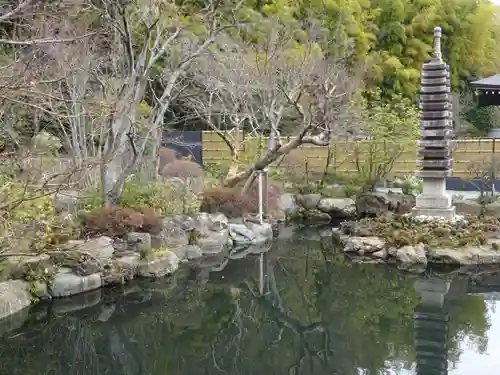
{"points": [[262, 163]]}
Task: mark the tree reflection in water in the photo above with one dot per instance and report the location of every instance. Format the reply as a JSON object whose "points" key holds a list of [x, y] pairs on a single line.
{"points": [[299, 309]]}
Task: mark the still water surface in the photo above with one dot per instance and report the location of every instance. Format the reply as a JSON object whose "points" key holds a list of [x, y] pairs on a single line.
{"points": [[299, 309]]}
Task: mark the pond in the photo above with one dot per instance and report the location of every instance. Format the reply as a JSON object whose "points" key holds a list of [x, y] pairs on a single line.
{"points": [[298, 309]]}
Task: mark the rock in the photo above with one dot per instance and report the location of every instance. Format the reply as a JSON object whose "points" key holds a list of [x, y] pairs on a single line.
{"points": [[66, 283], [126, 265], [192, 252], [464, 256], [241, 234], [250, 233], [288, 204], [381, 254], [210, 222], [100, 248], [139, 241], [337, 207], [493, 209], [468, 207], [14, 297], [115, 273], [364, 245], [161, 265], [373, 204], [208, 231], [213, 241], [411, 254], [263, 232], [308, 201], [66, 201], [174, 232]]}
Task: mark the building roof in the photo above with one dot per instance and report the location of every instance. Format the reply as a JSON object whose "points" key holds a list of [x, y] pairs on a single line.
{"points": [[492, 82]]}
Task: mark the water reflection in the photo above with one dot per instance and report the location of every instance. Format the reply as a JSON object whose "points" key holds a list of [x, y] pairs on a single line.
{"points": [[298, 309]]}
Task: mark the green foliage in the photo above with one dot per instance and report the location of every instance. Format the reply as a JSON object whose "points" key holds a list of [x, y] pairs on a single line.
{"points": [[411, 185], [216, 172], [46, 142], [30, 223], [164, 198], [390, 127]]}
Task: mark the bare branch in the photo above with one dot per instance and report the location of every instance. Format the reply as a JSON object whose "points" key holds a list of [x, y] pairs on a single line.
{"points": [[44, 41]]}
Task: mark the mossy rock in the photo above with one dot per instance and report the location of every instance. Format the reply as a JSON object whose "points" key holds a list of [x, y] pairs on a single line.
{"points": [[404, 230]]}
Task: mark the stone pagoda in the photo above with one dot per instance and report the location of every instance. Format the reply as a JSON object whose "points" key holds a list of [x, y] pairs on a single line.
{"points": [[436, 129]]}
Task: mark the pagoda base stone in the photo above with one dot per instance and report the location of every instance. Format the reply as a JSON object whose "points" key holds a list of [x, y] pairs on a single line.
{"points": [[434, 201], [445, 213]]}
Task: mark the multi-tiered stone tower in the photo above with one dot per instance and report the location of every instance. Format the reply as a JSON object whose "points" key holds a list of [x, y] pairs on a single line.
{"points": [[436, 129], [431, 321]]}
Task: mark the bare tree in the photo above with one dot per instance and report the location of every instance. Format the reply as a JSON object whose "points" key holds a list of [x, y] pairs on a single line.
{"points": [[267, 84], [168, 44]]}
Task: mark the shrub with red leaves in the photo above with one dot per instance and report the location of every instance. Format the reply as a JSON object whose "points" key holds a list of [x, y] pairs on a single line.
{"points": [[118, 221], [182, 169], [228, 201]]}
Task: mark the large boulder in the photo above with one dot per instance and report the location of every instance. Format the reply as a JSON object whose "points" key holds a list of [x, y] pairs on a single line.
{"points": [[337, 208], [364, 245], [14, 297], [156, 266], [66, 283], [374, 204], [288, 204], [250, 233], [308, 201], [410, 254], [98, 248], [208, 231], [464, 256]]}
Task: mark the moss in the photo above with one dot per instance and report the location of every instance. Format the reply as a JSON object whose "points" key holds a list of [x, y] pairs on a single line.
{"points": [[401, 230]]}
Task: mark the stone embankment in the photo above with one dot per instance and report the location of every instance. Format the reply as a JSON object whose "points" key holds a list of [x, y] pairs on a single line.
{"points": [[84, 265]]}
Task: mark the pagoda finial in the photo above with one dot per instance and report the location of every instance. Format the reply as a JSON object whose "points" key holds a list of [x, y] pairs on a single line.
{"points": [[437, 42]]}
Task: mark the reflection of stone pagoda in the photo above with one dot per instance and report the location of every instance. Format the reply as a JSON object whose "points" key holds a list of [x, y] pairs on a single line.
{"points": [[436, 129], [431, 328]]}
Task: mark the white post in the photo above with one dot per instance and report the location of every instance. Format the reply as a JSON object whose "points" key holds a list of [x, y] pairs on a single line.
{"points": [[261, 198], [261, 274]]}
